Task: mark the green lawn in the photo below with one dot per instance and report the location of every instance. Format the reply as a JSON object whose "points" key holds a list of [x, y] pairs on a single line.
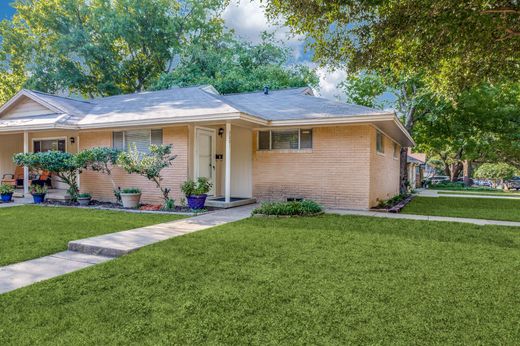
{"points": [[324, 280], [495, 193], [478, 208], [28, 232]]}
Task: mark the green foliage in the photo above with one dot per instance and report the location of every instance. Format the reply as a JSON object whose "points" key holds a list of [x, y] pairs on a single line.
{"points": [[294, 208], [38, 190], [169, 204], [148, 165], [99, 159], [388, 203], [364, 89], [200, 187], [133, 190], [98, 47], [6, 189], [59, 163], [84, 195], [495, 171], [457, 44], [233, 66]]}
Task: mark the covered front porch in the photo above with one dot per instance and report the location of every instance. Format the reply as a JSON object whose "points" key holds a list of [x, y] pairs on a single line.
{"points": [[34, 141], [223, 153]]}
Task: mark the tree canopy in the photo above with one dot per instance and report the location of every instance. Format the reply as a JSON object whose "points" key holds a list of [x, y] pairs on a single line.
{"points": [[232, 65], [98, 47], [455, 44]]}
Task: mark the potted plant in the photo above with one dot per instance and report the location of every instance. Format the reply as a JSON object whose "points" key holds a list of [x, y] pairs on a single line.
{"points": [[38, 192], [6, 192], [84, 199], [130, 197], [196, 192]]}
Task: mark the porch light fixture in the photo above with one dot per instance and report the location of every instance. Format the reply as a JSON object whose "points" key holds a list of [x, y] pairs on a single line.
{"points": [[221, 132], [72, 140]]}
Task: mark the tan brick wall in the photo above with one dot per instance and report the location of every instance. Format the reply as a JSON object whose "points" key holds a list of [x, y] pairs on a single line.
{"points": [[335, 173], [384, 170], [100, 187]]}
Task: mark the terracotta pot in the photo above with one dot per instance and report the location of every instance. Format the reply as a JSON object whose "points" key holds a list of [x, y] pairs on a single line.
{"points": [[130, 200]]}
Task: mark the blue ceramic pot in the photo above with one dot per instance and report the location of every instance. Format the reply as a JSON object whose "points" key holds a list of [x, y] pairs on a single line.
{"points": [[197, 202]]}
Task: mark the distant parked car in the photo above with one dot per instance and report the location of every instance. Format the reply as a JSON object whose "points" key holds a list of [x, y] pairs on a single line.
{"points": [[514, 183], [481, 182], [439, 178]]}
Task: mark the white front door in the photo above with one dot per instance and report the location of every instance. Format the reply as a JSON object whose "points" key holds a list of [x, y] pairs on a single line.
{"points": [[205, 155]]}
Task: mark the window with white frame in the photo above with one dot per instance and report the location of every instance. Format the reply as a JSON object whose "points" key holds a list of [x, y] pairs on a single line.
{"points": [[294, 139], [380, 145], [141, 139], [44, 145]]}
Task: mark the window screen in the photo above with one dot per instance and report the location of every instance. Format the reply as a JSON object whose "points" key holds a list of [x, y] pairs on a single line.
{"points": [[264, 139], [379, 143], [49, 145], [141, 139], [284, 139], [306, 139], [396, 151], [118, 140], [157, 137]]}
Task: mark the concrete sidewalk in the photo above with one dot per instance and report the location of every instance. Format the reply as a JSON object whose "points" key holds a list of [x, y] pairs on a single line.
{"points": [[88, 252], [481, 222]]}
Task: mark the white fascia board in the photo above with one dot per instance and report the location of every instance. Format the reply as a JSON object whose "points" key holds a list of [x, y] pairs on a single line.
{"points": [[166, 121]]}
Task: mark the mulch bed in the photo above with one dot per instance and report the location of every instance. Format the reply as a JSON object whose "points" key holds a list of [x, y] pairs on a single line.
{"points": [[143, 208], [396, 208]]}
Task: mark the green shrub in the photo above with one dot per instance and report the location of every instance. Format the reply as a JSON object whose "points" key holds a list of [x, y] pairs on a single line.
{"points": [[192, 188], [6, 189], [84, 195], [131, 190], [296, 208], [392, 201], [38, 190]]}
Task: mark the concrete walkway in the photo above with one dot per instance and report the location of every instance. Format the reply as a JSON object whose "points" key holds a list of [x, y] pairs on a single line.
{"points": [[435, 193], [87, 252], [423, 217]]}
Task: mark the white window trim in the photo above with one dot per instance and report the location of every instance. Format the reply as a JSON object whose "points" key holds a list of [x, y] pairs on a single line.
{"points": [[52, 139], [300, 149], [125, 131]]}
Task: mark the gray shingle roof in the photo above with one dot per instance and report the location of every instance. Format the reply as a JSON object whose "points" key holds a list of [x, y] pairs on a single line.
{"points": [[180, 103], [294, 104]]}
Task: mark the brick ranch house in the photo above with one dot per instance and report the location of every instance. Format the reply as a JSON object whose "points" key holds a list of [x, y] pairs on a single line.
{"points": [[270, 145]]}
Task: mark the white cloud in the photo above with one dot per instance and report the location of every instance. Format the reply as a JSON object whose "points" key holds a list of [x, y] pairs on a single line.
{"points": [[248, 20]]}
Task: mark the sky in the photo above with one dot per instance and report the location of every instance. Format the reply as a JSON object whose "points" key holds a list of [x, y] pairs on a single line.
{"points": [[248, 20]]}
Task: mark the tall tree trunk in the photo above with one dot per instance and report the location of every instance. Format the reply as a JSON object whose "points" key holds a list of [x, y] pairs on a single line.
{"points": [[467, 172], [403, 171]]}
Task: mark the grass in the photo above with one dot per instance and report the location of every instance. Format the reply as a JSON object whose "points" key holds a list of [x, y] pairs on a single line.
{"points": [[477, 208], [484, 193], [324, 280], [28, 232]]}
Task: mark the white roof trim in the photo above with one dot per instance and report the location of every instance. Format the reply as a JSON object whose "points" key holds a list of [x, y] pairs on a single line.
{"points": [[32, 96]]}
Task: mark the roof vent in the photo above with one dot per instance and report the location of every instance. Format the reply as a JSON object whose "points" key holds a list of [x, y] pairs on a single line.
{"points": [[266, 90]]}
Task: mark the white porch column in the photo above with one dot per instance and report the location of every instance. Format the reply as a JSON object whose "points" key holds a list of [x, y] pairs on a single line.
{"points": [[228, 164], [25, 168]]}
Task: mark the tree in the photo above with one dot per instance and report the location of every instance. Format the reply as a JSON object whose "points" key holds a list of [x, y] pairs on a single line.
{"points": [[496, 172], [98, 47], [101, 160], [234, 66], [59, 163], [149, 165], [456, 44]]}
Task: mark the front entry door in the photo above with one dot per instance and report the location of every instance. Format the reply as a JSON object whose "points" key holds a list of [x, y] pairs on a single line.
{"points": [[205, 155]]}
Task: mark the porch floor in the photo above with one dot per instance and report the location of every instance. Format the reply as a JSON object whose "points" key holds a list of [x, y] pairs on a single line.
{"points": [[220, 202]]}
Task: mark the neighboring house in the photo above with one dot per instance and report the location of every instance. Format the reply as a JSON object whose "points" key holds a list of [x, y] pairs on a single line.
{"points": [[269, 146]]}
